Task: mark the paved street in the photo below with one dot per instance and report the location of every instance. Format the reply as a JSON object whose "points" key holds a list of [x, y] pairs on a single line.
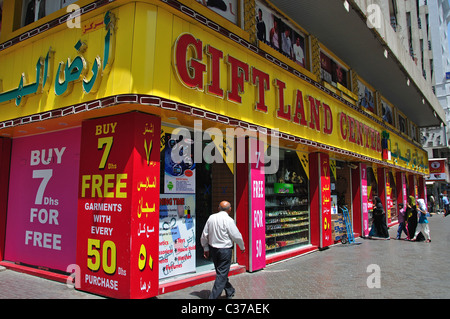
{"points": [[407, 270]]}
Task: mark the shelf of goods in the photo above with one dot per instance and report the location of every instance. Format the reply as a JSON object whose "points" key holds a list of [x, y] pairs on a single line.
{"points": [[287, 220]]}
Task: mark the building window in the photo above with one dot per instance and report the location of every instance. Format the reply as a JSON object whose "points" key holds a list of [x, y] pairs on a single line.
{"points": [[33, 10], [272, 30], [402, 124], [366, 97], [413, 132], [387, 113], [332, 72], [226, 8]]}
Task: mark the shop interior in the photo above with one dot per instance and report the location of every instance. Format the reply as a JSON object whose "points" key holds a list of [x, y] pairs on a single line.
{"points": [[287, 203]]}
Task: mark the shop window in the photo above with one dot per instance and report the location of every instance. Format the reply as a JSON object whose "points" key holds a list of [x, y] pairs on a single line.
{"points": [[287, 209], [366, 98], [190, 193], [274, 31], [332, 72], [226, 8], [33, 10]]}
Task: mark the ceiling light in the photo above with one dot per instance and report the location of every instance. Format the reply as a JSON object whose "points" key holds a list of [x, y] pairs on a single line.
{"points": [[347, 6]]}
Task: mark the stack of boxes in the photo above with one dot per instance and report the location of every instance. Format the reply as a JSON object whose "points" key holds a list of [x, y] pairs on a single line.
{"points": [[338, 226]]}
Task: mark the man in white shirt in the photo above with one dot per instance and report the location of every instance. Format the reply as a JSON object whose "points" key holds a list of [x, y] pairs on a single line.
{"points": [[217, 239], [298, 52]]}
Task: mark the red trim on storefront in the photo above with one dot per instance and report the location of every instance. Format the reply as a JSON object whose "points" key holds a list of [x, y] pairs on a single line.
{"points": [[289, 254], [196, 280], [46, 274]]}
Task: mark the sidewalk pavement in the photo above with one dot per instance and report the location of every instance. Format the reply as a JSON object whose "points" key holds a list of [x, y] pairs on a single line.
{"points": [[400, 269]]}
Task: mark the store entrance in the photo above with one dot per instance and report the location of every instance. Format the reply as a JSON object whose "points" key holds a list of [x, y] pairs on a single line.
{"points": [[215, 183], [340, 197], [191, 191]]}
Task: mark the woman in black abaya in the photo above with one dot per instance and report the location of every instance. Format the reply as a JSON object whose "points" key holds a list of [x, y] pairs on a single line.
{"points": [[379, 219], [411, 214]]}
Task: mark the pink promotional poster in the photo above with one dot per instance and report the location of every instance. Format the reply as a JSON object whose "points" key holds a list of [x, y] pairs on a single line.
{"points": [[42, 205], [364, 199], [257, 206]]}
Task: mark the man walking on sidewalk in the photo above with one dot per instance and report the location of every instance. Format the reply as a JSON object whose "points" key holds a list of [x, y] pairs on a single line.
{"points": [[217, 238]]}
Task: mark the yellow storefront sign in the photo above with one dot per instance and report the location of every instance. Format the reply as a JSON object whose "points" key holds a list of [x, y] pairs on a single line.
{"points": [[162, 54]]}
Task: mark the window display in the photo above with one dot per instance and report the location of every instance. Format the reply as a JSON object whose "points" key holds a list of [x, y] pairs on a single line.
{"points": [[287, 209]]}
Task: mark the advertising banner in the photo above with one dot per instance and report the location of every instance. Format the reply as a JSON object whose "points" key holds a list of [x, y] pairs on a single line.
{"points": [[176, 235], [325, 183], [364, 199], [257, 206], [42, 214], [389, 203], [118, 206], [179, 166], [438, 170]]}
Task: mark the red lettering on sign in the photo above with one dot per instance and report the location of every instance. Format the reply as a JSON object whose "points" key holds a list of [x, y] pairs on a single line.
{"points": [[239, 72], [189, 71]]}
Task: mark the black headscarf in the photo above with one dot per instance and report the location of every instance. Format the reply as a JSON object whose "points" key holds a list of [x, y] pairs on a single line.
{"points": [[378, 203]]}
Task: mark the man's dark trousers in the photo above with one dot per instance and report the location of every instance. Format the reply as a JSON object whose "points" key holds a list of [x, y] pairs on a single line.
{"points": [[222, 262]]}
